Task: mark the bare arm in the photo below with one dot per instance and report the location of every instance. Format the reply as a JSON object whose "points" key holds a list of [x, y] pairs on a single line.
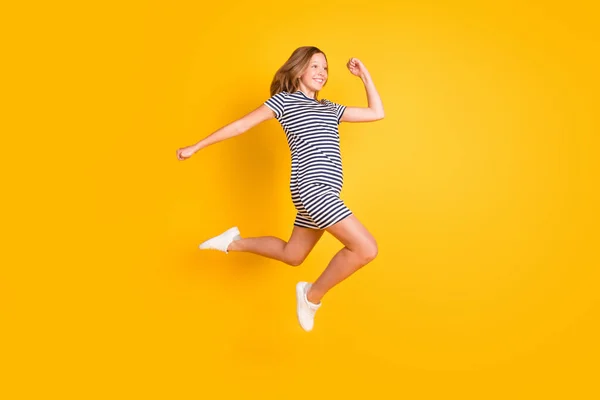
{"points": [[248, 121], [374, 110]]}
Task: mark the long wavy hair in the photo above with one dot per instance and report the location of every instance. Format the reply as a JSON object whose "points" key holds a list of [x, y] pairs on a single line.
{"points": [[287, 78]]}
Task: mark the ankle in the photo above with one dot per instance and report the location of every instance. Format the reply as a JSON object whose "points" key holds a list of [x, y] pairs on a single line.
{"points": [[234, 245], [313, 296]]}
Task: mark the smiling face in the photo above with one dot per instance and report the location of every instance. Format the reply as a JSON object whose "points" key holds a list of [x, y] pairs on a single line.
{"points": [[314, 76]]}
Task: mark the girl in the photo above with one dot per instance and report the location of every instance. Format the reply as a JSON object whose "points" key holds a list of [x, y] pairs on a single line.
{"points": [[311, 128]]}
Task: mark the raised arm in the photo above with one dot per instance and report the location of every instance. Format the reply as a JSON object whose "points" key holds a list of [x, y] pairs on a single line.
{"points": [[248, 121], [374, 111]]}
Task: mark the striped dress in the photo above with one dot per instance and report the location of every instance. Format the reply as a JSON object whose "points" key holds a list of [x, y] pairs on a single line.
{"points": [[311, 129]]}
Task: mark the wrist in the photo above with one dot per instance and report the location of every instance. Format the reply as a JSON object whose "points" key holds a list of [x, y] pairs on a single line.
{"points": [[365, 77]]}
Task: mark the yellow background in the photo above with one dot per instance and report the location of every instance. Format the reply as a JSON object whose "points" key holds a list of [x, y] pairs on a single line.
{"points": [[480, 185]]}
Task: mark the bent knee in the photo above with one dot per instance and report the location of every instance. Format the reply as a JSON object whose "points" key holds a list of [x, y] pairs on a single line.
{"points": [[295, 260], [368, 252]]}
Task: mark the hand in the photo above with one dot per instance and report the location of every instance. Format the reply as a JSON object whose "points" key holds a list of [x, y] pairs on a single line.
{"points": [[356, 67], [185, 153]]}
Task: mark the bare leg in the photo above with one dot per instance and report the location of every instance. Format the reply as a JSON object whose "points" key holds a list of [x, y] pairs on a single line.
{"points": [[360, 248], [293, 252]]}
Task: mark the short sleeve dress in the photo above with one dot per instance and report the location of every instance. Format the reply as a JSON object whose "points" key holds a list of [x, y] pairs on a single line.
{"points": [[311, 129]]}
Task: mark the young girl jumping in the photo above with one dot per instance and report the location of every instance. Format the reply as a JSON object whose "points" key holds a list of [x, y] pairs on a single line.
{"points": [[311, 128]]}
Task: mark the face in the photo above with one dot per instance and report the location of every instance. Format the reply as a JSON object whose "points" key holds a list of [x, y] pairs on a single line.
{"points": [[315, 75]]}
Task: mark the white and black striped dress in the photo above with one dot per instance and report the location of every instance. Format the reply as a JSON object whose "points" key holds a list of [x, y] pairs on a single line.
{"points": [[311, 128]]}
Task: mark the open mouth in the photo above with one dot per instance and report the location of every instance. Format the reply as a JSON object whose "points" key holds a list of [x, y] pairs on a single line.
{"points": [[319, 80]]}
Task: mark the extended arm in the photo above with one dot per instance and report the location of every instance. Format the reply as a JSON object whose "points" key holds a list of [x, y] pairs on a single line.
{"points": [[250, 120]]}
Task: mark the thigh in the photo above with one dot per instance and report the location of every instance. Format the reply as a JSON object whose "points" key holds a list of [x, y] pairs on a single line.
{"points": [[302, 241], [352, 233]]}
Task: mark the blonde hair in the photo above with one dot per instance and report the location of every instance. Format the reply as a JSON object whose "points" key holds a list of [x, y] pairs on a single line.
{"points": [[287, 78]]}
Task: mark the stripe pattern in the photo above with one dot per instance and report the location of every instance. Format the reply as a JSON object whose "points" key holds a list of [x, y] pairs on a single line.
{"points": [[311, 129]]}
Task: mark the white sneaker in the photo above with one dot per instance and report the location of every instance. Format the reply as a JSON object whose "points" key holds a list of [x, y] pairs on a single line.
{"points": [[222, 241], [304, 308]]}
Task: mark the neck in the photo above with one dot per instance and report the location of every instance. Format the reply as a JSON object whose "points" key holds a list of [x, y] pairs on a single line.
{"points": [[306, 91]]}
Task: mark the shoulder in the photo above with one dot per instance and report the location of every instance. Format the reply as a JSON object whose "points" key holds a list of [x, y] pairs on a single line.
{"points": [[281, 94]]}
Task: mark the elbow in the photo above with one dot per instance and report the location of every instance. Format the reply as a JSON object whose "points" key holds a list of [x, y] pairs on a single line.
{"points": [[380, 115], [239, 127]]}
